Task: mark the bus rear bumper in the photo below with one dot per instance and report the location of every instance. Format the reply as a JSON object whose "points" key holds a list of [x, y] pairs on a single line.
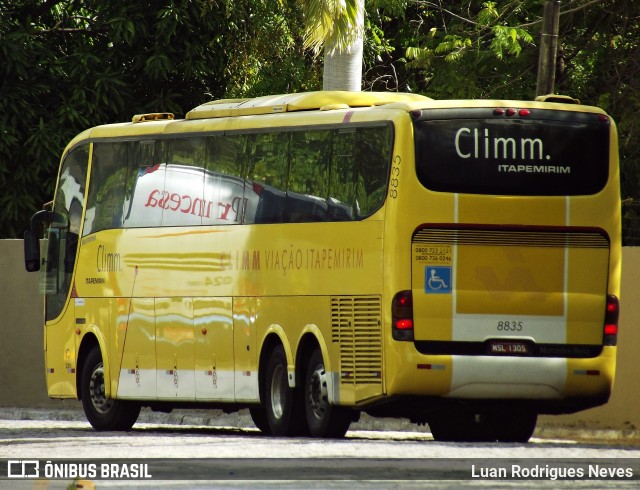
{"points": [[512, 377], [419, 409], [546, 385]]}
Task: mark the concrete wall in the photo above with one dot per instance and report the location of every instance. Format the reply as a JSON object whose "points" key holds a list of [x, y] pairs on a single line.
{"points": [[22, 382]]}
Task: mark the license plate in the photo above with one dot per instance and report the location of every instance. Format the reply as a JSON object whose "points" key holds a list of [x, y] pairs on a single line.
{"points": [[508, 348]]}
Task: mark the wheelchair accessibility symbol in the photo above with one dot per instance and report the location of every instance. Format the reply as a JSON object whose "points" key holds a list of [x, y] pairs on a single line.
{"points": [[437, 280]]}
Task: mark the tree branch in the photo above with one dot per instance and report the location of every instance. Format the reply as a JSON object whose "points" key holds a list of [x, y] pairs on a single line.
{"points": [[564, 12], [512, 81], [72, 29], [528, 24], [442, 9], [46, 6]]}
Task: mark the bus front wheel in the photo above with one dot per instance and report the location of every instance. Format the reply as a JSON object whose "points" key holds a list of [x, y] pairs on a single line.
{"points": [[323, 418], [104, 414], [284, 408]]}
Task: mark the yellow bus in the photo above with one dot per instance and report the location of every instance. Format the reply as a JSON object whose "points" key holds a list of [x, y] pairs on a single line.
{"points": [[318, 255]]}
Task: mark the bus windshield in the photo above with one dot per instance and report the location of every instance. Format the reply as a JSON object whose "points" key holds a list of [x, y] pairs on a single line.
{"points": [[531, 153], [62, 241]]}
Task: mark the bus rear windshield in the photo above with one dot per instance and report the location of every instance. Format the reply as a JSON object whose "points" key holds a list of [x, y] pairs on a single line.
{"points": [[533, 153]]}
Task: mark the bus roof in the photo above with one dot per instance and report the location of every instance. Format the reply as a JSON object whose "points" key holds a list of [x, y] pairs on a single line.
{"points": [[344, 100], [321, 100]]}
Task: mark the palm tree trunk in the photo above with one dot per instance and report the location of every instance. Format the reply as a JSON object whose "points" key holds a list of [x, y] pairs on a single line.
{"points": [[343, 67]]}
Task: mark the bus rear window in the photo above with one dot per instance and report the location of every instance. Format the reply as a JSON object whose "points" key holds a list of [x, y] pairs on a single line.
{"points": [[537, 153]]}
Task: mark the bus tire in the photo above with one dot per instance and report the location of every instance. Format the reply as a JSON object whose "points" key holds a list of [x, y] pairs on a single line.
{"points": [[454, 426], [323, 418], [515, 428], [259, 417], [284, 408], [495, 426], [104, 414]]}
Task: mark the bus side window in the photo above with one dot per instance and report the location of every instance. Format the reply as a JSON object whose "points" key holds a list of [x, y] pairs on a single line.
{"points": [[224, 185], [107, 187], [373, 157], [184, 203], [309, 176], [128, 152], [267, 174], [144, 192], [342, 191]]}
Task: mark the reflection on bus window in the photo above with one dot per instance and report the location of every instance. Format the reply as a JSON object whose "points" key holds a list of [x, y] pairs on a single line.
{"points": [[309, 176], [270, 177]]}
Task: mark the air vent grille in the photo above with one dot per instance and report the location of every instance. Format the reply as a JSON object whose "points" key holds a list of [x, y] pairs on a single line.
{"points": [[526, 238], [356, 327]]}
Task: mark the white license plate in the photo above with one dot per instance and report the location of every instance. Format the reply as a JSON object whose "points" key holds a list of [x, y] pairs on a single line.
{"points": [[508, 348]]}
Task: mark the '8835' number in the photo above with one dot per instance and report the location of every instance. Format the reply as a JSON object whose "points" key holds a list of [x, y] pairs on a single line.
{"points": [[510, 326], [394, 181]]}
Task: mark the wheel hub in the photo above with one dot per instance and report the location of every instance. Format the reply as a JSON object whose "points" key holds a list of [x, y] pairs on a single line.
{"points": [[97, 390], [318, 396], [278, 392]]}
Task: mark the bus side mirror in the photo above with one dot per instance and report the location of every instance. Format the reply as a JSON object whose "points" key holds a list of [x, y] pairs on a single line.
{"points": [[31, 251], [32, 239]]}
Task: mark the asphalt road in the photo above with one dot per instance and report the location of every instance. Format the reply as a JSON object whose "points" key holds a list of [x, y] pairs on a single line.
{"points": [[201, 454]]}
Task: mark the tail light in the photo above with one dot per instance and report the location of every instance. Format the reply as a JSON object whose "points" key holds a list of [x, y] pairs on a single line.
{"points": [[611, 320], [402, 316]]}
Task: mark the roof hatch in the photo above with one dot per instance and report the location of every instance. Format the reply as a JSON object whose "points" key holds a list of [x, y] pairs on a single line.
{"points": [[154, 116]]}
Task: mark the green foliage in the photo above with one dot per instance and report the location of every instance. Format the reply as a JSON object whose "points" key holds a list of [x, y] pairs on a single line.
{"points": [[467, 49], [508, 39], [330, 23], [265, 51]]}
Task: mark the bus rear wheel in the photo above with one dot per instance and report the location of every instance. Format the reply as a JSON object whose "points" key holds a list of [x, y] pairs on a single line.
{"points": [[496, 426], [104, 414], [510, 427], [259, 417], [284, 408], [455, 426], [323, 418]]}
